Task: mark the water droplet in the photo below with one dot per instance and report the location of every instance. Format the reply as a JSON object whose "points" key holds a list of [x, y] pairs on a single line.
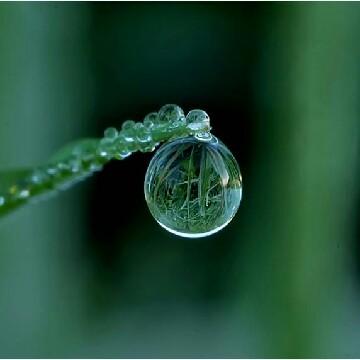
{"points": [[204, 136], [111, 133], [122, 154], [105, 148], [2, 200], [102, 153], [128, 132], [95, 166], [75, 165], [63, 166], [123, 148], [52, 170], [23, 194], [148, 148], [198, 120], [37, 177], [170, 114], [122, 144], [18, 193], [142, 133], [150, 120], [193, 188], [128, 125]]}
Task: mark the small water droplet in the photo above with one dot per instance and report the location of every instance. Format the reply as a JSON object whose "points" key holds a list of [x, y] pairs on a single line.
{"points": [[23, 194], [198, 120], [74, 165], [52, 170], [37, 177], [170, 114], [148, 148], [111, 133], [128, 125], [122, 154], [204, 136], [142, 133], [122, 144], [129, 138], [128, 132], [102, 153], [150, 120]]}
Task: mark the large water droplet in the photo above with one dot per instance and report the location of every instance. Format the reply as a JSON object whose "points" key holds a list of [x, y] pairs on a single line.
{"points": [[193, 188]]}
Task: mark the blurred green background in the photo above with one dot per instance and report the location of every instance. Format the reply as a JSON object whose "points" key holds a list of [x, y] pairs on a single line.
{"points": [[90, 274]]}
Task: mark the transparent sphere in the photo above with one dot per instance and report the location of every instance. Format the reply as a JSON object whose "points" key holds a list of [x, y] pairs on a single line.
{"points": [[193, 187]]}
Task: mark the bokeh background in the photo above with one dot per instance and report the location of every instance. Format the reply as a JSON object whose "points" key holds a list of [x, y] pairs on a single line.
{"points": [[89, 273]]}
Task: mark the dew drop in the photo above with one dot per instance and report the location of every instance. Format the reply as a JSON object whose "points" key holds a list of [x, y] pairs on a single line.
{"points": [[122, 144], [128, 131], [150, 120], [63, 166], [75, 165], [23, 194], [149, 147], [198, 120], [204, 136], [123, 149], [193, 188], [128, 125], [37, 177], [170, 114], [111, 133], [142, 133], [102, 153], [122, 154], [52, 170]]}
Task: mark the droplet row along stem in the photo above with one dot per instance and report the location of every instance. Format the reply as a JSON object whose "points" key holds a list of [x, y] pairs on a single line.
{"points": [[168, 123]]}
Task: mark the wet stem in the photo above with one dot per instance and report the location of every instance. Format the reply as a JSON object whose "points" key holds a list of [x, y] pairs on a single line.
{"points": [[81, 159]]}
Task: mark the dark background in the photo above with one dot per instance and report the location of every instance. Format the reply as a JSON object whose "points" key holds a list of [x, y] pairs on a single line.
{"points": [[91, 274]]}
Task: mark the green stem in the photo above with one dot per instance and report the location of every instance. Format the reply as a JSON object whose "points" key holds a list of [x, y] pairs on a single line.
{"points": [[80, 160]]}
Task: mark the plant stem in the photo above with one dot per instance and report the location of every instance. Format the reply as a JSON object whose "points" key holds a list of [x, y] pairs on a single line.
{"points": [[80, 160]]}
